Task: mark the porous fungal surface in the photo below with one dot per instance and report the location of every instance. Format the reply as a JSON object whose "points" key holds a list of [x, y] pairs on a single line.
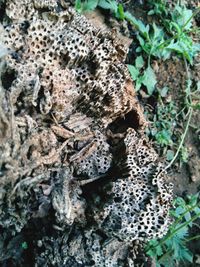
{"points": [[79, 183]]}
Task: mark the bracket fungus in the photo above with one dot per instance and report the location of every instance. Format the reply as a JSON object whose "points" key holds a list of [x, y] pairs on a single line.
{"points": [[68, 155]]}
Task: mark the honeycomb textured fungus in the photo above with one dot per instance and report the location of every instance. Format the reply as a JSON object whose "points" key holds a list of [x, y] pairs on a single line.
{"points": [[79, 182]]}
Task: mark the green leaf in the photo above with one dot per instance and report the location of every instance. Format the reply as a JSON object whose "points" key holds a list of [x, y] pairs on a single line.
{"points": [[197, 210], [140, 26], [164, 137], [133, 71], [187, 255], [90, 4], [78, 6], [193, 199], [164, 53], [159, 250], [170, 155], [181, 15], [157, 32], [187, 218], [141, 41], [184, 154], [151, 253], [179, 210], [139, 82], [24, 245], [139, 62], [179, 201], [154, 131], [151, 12], [138, 49], [109, 4], [177, 245], [149, 80], [153, 248], [181, 233], [175, 47], [176, 26], [86, 5], [120, 12]]}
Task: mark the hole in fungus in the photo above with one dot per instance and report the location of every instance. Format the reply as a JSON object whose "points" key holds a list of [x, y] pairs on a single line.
{"points": [[131, 120], [7, 78]]}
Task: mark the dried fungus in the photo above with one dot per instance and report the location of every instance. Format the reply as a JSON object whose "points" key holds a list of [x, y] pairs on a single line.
{"points": [[96, 190]]}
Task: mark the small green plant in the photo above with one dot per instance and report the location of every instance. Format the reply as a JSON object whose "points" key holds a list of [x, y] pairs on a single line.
{"points": [[158, 7], [142, 76], [112, 5], [189, 106], [162, 125], [24, 245], [172, 248], [177, 23], [86, 5]]}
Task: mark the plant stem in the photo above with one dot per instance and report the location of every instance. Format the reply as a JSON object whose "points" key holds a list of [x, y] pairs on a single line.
{"points": [[192, 16], [183, 225], [188, 102], [167, 41], [170, 235], [183, 214], [193, 238], [165, 255], [182, 140], [178, 34], [178, 220]]}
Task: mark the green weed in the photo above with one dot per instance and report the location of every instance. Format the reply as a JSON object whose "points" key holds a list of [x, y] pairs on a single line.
{"points": [[172, 248], [177, 23], [87, 5], [142, 76], [162, 126], [24, 245]]}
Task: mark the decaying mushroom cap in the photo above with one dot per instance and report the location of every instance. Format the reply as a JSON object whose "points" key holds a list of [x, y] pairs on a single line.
{"points": [[66, 92]]}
